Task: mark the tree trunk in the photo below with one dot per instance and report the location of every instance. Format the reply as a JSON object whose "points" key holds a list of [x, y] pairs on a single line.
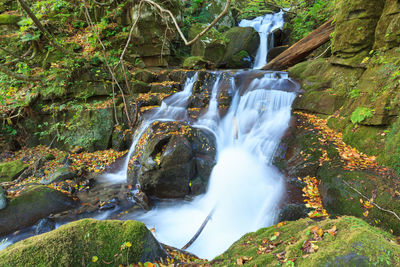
{"points": [[300, 50]]}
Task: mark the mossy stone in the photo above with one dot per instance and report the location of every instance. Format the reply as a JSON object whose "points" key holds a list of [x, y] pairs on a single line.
{"points": [[211, 46], [195, 63], [34, 203], [355, 244], [11, 170], [82, 242]]}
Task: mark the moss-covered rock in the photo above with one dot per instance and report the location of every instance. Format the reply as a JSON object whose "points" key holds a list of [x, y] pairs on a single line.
{"points": [[387, 33], [303, 158], [211, 46], [354, 35], [11, 170], [33, 204], [86, 241], [243, 42], [355, 243], [195, 63]]}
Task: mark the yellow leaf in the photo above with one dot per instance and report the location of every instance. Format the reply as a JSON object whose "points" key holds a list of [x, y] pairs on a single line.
{"points": [[95, 259]]}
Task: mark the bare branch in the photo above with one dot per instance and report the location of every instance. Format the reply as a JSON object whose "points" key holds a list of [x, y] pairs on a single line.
{"points": [[163, 10]]}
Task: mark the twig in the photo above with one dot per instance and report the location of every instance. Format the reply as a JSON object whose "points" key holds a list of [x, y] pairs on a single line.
{"points": [[323, 52], [373, 203]]}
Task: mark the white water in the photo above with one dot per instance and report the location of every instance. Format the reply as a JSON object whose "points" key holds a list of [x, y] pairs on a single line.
{"points": [[244, 187], [265, 26]]}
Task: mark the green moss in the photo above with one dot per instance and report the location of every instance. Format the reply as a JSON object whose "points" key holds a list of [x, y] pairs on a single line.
{"points": [[355, 244], [76, 243], [194, 63], [6, 19], [10, 170], [391, 153]]}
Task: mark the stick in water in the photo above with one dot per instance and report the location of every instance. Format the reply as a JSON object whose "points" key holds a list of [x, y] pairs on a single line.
{"points": [[199, 231]]}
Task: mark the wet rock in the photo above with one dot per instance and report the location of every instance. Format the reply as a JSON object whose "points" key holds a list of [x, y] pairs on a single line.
{"points": [[142, 200], [121, 139], [292, 212], [139, 87], [79, 241], [275, 51], [33, 204], [45, 225], [11, 170], [58, 175], [170, 157], [3, 200]]}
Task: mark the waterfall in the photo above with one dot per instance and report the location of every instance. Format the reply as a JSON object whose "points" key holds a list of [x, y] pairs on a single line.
{"points": [[244, 188], [265, 26]]}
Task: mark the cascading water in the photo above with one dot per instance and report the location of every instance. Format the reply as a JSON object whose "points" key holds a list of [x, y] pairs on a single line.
{"points": [[244, 187], [265, 26]]}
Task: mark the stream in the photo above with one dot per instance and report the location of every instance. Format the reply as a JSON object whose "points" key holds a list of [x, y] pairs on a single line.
{"points": [[245, 188]]}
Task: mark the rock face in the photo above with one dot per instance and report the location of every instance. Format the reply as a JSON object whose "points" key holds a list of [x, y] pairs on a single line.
{"points": [[33, 204], [86, 241], [173, 160], [355, 30], [346, 241], [11, 170]]}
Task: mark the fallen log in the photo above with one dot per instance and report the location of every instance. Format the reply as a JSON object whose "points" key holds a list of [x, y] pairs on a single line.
{"points": [[300, 50]]}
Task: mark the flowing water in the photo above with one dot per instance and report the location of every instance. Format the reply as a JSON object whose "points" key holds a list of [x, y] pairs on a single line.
{"points": [[265, 26]]}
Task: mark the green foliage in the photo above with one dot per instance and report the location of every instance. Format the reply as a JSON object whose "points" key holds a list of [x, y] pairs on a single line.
{"points": [[360, 114], [310, 16]]}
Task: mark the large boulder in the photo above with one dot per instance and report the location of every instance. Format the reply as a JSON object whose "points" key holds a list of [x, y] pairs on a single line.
{"points": [[346, 241], [34, 203], [211, 46], [173, 160], [11, 170], [243, 43], [87, 242]]}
